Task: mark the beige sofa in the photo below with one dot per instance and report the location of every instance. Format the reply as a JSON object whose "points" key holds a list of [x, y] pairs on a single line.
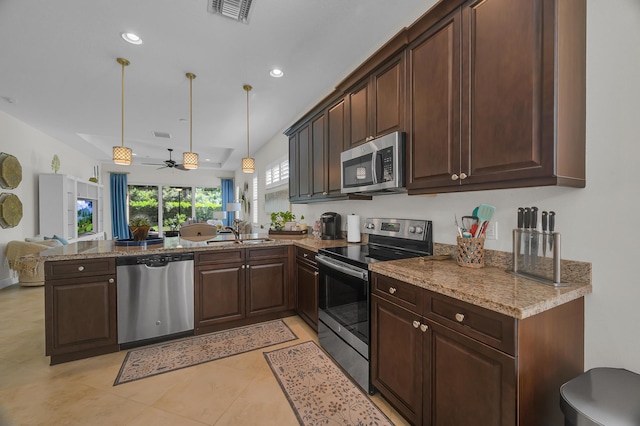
{"points": [[19, 254]]}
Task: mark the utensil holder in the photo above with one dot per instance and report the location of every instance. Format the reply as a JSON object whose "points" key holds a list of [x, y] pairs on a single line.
{"points": [[470, 252], [527, 260]]}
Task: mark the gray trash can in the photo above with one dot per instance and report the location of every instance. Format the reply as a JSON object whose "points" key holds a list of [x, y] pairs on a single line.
{"points": [[602, 396]]}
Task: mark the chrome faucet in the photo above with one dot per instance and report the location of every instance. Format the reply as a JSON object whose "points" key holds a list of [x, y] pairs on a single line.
{"points": [[236, 234]]}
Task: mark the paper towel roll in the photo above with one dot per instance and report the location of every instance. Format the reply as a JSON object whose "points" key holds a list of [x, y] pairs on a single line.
{"points": [[353, 228]]}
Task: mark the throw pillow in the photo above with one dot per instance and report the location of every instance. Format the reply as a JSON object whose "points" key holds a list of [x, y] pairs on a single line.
{"points": [[55, 237]]}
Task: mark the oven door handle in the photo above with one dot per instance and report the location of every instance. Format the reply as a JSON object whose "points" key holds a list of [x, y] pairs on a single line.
{"points": [[345, 269]]}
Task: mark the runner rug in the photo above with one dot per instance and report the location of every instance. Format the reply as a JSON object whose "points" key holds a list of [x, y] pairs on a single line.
{"points": [[177, 354], [319, 391]]}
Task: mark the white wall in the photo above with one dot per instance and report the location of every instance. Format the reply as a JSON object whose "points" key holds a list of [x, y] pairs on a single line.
{"points": [[34, 150], [597, 223]]}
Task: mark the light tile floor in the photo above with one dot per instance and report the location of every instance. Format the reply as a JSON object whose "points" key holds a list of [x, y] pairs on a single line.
{"points": [[240, 390]]}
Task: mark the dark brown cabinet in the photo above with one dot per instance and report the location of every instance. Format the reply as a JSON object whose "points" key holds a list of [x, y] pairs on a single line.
{"points": [[241, 286], [376, 105], [497, 98], [442, 361], [336, 142], [80, 309], [306, 275]]}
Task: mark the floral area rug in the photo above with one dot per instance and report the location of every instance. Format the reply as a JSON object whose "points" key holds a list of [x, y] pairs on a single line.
{"points": [[319, 391], [177, 354]]}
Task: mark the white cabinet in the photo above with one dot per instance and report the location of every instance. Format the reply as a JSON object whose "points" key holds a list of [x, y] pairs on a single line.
{"points": [[61, 198]]}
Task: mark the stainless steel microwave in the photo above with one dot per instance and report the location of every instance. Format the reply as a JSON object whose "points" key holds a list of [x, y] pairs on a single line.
{"points": [[375, 167]]}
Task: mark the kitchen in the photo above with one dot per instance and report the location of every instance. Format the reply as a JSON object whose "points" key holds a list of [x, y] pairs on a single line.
{"points": [[589, 235]]}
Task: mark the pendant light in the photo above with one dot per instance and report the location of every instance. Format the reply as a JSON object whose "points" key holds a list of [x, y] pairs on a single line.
{"points": [[248, 163], [190, 159], [122, 154]]}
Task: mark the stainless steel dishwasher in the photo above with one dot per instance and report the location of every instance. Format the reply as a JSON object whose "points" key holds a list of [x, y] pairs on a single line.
{"points": [[155, 296]]}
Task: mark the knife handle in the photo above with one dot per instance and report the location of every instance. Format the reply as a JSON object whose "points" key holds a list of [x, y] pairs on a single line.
{"points": [[534, 218], [520, 217], [544, 221], [527, 217], [552, 221]]}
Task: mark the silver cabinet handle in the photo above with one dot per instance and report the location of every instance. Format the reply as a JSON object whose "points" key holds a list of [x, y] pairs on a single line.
{"points": [[80, 268], [424, 327], [454, 177], [416, 324], [111, 280], [459, 317], [392, 290], [463, 176]]}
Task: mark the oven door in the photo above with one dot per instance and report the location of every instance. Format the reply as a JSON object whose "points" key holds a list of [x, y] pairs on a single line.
{"points": [[343, 303]]}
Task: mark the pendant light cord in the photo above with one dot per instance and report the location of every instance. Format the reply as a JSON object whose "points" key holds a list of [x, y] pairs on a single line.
{"points": [[190, 76], [247, 88], [124, 63]]}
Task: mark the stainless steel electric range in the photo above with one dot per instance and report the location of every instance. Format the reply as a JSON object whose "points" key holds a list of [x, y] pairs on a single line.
{"points": [[344, 292]]}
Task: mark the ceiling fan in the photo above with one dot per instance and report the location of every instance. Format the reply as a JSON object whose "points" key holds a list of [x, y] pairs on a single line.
{"points": [[171, 164]]}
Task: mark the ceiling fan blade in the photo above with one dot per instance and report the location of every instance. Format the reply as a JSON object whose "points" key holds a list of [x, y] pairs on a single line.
{"points": [[181, 167], [152, 164]]}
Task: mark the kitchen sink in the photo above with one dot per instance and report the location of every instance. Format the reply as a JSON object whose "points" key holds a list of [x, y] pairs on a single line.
{"points": [[254, 241]]}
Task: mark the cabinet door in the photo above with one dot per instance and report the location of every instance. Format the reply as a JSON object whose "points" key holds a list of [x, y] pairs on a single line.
{"points": [[359, 128], [219, 295], [293, 167], [337, 138], [471, 383], [307, 293], [434, 107], [304, 162], [504, 81], [319, 157], [267, 286], [396, 358], [387, 103], [80, 315]]}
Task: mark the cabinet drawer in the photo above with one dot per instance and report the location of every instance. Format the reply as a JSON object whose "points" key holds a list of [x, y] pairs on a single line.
{"points": [[306, 255], [219, 256], [267, 252], [79, 268], [494, 329], [406, 295]]}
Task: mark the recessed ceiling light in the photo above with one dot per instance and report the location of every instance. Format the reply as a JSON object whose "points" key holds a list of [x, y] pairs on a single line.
{"points": [[277, 73], [131, 38]]}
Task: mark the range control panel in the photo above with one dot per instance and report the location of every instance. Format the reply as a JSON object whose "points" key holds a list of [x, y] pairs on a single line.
{"points": [[401, 228]]}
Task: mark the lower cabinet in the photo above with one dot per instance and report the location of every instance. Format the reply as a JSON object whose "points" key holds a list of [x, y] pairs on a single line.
{"points": [[441, 361], [80, 309], [241, 286], [306, 276]]}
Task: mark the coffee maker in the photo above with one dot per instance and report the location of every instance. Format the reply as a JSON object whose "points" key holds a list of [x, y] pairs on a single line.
{"points": [[330, 226]]}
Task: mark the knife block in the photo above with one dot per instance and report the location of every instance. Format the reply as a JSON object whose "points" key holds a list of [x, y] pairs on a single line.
{"points": [[529, 261]]}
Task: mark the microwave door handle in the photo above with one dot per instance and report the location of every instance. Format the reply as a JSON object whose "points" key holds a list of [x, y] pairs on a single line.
{"points": [[374, 168], [379, 168]]}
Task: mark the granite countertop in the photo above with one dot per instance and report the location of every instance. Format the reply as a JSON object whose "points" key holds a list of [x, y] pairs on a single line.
{"points": [[489, 287], [108, 248]]}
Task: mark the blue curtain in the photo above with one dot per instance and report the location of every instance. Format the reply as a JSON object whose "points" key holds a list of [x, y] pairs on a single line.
{"points": [[119, 226], [227, 197]]}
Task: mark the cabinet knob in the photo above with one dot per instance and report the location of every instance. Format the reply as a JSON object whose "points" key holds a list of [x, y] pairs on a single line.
{"points": [[305, 255], [111, 280], [80, 268], [242, 266], [424, 327], [325, 193], [248, 266], [392, 290], [315, 274], [459, 317], [416, 324], [463, 176], [454, 177]]}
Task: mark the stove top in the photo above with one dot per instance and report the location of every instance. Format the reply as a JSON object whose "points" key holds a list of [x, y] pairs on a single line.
{"points": [[389, 239]]}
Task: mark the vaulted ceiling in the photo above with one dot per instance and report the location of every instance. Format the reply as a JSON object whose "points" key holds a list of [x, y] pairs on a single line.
{"points": [[58, 69]]}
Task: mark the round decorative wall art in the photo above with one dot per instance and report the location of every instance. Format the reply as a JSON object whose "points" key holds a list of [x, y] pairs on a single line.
{"points": [[10, 171], [10, 210]]}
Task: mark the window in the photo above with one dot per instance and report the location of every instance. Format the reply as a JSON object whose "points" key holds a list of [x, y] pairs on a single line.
{"points": [[143, 201], [176, 206], [208, 200], [277, 174], [254, 199]]}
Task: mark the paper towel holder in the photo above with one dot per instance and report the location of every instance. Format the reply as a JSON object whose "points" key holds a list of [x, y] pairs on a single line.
{"points": [[353, 228]]}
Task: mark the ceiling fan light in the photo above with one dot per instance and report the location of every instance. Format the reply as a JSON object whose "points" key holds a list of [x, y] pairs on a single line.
{"points": [[190, 160], [122, 155], [248, 165]]}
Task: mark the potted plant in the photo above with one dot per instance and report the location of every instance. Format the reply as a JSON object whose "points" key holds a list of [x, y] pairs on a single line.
{"points": [[279, 219], [139, 227]]}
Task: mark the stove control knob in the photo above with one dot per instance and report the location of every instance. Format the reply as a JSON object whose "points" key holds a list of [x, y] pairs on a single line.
{"points": [[419, 229], [412, 229], [369, 225]]}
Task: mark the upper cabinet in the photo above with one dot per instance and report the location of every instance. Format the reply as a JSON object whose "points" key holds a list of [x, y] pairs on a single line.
{"points": [[491, 94], [376, 104], [497, 97]]}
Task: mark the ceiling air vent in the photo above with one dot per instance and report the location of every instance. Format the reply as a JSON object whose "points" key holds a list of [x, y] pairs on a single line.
{"points": [[234, 9], [162, 134]]}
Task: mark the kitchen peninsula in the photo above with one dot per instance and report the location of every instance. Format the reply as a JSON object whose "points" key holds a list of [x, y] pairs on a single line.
{"points": [[487, 332]]}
